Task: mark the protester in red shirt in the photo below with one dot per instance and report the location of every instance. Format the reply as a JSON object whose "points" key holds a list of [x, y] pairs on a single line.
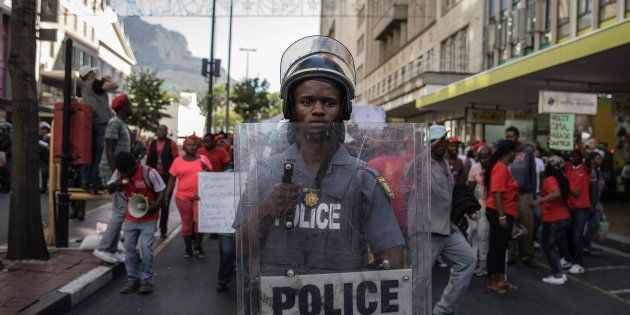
{"points": [[161, 160], [391, 163], [136, 179], [502, 210], [184, 170], [556, 218], [579, 203], [217, 155]]}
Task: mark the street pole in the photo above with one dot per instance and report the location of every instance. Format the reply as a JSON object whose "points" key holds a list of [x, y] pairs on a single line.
{"points": [[211, 76], [227, 84], [247, 51], [63, 201]]}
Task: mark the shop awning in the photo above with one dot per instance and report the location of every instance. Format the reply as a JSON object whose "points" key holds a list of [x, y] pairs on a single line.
{"points": [[598, 62]]}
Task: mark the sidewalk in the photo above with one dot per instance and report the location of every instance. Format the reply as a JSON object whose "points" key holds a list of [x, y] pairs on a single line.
{"points": [[618, 237], [70, 276]]}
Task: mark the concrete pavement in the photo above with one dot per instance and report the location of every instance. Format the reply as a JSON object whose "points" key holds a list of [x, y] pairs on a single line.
{"points": [[187, 286]]}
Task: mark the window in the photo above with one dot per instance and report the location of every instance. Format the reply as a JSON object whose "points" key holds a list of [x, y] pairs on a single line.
{"points": [[584, 14], [563, 18], [74, 22], [403, 74], [65, 16], [51, 53], [607, 9], [360, 44], [448, 4], [81, 58], [491, 8], [360, 73], [361, 16], [429, 63], [85, 28], [454, 52]]}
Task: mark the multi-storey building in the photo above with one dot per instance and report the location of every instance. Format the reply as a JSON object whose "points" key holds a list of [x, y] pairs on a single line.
{"points": [[437, 60], [98, 41]]}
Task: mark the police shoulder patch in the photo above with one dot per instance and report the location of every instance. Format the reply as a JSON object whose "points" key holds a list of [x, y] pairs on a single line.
{"points": [[385, 185]]}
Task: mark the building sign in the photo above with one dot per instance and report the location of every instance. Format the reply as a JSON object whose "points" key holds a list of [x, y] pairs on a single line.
{"points": [[567, 103], [561, 129], [485, 116], [369, 292]]}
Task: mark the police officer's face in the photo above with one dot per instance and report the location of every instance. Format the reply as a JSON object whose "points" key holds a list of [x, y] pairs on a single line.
{"points": [[318, 104]]}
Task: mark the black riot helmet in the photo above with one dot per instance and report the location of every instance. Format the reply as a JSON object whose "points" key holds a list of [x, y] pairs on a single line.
{"points": [[319, 58]]}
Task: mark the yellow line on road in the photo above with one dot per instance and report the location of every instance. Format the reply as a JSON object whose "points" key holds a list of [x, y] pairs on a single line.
{"points": [[590, 285], [170, 237]]}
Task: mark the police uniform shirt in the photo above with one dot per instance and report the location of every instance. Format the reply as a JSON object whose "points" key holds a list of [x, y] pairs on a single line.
{"points": [[333, 226]]}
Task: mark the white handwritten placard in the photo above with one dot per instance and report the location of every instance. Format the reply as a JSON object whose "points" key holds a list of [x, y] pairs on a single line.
{"points": [[217, 205]]}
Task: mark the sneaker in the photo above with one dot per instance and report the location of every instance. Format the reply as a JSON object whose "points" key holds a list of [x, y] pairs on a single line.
{"points": [[553, 280], [105, 256], [565, 264], [221, 287], [145, 288], [536, 245], [120, 257], [188, 253], [200, 253], [479, 272], [576, 269], [130, 287]]}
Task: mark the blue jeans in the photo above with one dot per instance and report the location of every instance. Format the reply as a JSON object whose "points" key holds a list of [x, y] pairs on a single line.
{"points": [[456, 249], [141, 232], [579, 217], [555, 234], [226, 258], [89, 172], [109, 242]]}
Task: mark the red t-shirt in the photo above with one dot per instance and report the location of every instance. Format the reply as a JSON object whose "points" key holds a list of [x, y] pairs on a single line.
{"points": [[159, 146], [501, 181], [217, 156], [556, 210], [137, 186], [392, 168], [186, 174], [579, 178]]}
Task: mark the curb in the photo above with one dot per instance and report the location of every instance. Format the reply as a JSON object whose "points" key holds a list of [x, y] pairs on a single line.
{"points": [[65, 298]]}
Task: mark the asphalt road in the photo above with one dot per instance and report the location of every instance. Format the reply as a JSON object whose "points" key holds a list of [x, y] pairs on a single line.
{"points": [[5, 206], [187, 286]]}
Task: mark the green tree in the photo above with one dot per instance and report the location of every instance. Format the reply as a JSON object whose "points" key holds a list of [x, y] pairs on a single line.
{"points": [[251, 99], [148, 99], [275, 106]]}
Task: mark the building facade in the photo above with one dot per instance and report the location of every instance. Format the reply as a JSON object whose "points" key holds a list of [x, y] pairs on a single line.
{"points": [[438, 61], [98, 41]]}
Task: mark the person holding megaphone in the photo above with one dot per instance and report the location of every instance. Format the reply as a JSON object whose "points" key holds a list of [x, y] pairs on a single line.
{"points": [[144, 190]]}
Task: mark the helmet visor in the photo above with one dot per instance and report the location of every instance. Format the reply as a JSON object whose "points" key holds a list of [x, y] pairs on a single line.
{"points": [[317, 45]]}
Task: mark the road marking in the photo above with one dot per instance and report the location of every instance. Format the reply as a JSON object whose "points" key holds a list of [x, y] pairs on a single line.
{"points": [[590, 285], [170, 237], [620, 291], [607, 268]]}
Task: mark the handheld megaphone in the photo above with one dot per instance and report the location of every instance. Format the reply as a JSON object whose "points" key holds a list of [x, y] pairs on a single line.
{"points": [[138, 206]]}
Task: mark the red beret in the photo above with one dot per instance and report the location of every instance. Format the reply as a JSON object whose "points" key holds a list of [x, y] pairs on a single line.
{"points": [[120, 101]]}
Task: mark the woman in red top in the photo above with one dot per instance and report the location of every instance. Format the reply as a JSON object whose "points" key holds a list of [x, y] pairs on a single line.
{"points": [[185, 169], [501, 210], [556, 217]]}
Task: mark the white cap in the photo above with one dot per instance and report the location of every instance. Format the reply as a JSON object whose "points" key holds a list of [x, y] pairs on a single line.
{"points": [[83, 71], [44, 124], [436, 132]]}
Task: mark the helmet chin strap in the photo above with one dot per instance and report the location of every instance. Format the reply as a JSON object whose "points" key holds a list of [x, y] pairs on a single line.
{"points": [[317, 137]]}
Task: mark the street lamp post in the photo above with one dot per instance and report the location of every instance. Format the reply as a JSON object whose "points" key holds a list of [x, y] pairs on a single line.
{"points": [[247, 51]]}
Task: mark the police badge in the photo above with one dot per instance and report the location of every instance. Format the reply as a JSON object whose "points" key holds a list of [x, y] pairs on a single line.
{"points": [[311, 198]]}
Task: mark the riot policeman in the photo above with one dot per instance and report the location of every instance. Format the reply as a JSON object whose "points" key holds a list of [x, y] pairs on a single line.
{"points": [[314, 208]]}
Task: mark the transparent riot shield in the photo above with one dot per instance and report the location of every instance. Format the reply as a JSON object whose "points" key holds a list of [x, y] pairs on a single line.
{"points": [[333, 220]]}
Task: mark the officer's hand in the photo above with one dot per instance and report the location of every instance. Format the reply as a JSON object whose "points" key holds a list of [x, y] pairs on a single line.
{"points": [[281, 200]]}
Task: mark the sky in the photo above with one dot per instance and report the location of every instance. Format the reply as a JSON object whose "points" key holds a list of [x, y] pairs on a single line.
{"points": [[270, 36]]}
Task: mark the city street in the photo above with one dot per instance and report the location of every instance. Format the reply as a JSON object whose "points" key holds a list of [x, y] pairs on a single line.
{"points": [[187, 286]]}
